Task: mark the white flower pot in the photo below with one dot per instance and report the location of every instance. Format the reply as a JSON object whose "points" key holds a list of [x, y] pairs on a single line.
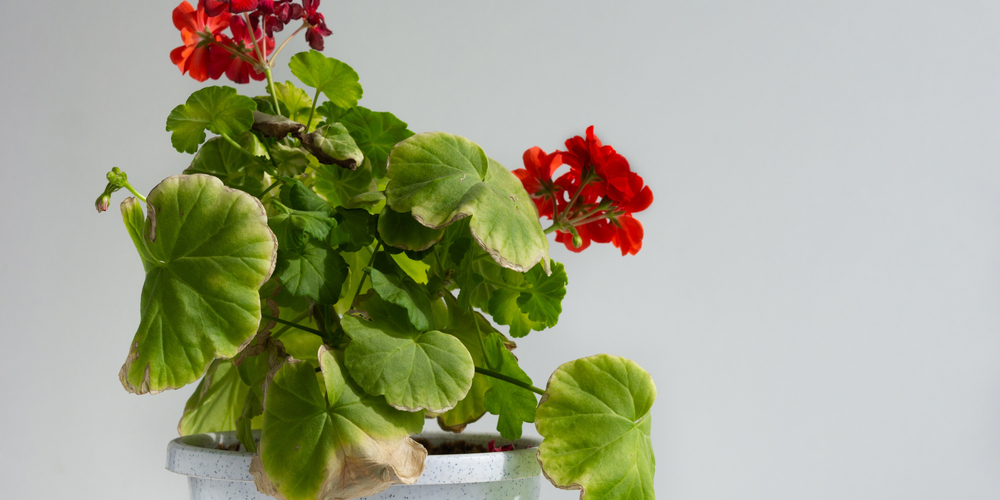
{"points": [[215, 474]]}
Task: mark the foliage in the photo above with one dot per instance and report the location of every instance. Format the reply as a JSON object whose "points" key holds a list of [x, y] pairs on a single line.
{"points": [[332, 278]]}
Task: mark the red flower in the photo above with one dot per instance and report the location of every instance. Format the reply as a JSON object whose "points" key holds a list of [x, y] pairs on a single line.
{"points": [[493, 447], [594, 201], [241, 68], [317, 24], [198, 57], [536, 176], [217, 7]]}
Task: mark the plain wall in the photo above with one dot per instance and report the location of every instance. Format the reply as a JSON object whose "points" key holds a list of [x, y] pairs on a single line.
{"points": [[817, 293]]}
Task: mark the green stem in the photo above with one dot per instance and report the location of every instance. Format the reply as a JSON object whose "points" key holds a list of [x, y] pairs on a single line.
{"points": [[269, 188], [510, 380], [134, 192], [288, 327], [293, 325], [281, 47], [274, 95], [505, 285], [371, 261], [553, 227], [312, 111]]}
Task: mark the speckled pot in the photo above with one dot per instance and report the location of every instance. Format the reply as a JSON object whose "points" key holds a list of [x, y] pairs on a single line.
{"points": [[215, 474]]}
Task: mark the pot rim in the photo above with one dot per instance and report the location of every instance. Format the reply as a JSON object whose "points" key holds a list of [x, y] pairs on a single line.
{"points": [[196, 456]]}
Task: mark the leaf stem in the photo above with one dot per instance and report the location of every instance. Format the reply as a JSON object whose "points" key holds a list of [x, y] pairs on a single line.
{"points": [[274, 54], [262, 60], [134, 192], [510, 380], [312, 111], [505, 285], [293, 325], [288, 327], [371, 261], [269, 188]]}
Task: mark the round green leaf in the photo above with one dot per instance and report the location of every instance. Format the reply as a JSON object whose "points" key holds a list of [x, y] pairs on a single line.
{"points": [[414, 370], [341, 444], [442, 178], [219, 109], [216, 403], [211, 250], [401, 230], [234, 167], [335, 79], [595, 419]]}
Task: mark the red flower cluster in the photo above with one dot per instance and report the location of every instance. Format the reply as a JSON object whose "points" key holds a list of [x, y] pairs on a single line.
{"points": [[209, 53], [492, 446], [593, 201]]}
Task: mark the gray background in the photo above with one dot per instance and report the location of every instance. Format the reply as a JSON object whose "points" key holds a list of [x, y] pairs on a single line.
{"points": [[817, 294]]}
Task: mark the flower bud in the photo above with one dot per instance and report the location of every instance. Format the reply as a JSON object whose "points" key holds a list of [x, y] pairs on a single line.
{"points": [[103, 202], [117, 178], [577, 241]]}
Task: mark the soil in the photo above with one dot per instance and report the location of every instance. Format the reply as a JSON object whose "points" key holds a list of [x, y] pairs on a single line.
{"points": [[451, 447], [443, 448]]}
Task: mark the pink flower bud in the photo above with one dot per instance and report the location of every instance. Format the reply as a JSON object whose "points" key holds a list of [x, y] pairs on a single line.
{"points": [[103, 202]]}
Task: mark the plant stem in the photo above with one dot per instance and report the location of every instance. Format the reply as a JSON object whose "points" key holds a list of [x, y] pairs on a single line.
{"points": [[371, 261], [293, 325], [312, 111], [288, 327], [262, 60], [510, 380], [274, 95], [237, 145], [134, 192], [274, 54], [269, 188], [505, 285]]}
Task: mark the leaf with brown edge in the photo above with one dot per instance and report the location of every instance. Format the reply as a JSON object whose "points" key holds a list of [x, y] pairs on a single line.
{"points": [[211, 250], [325, 438], [442, 178]]}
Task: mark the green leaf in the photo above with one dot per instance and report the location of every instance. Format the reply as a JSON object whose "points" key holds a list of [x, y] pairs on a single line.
{"points": [[414, 370], [415, 269], [595, 419], [542, 301], [401, 290], [442, 178], [316, 271], [134, 218], [217, 402], [300, 197], [235, 168], [338, 185], [253, 371], [332, 145], [460, 324], [335, 79], [219, 109], [354, 229], [294, 228], [515, 405], [212, 250], [291, 158], [375, 133], [344, 444], [295, 103], [401, 230]]}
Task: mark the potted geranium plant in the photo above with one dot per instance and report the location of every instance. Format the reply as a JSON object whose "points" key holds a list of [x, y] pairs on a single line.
{"points": [[328, 277]]}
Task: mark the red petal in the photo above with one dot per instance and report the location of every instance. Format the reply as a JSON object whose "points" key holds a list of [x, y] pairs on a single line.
{"points": [[240, 6], [185, 18], [567, 239], [640, 202], [628, 237], [214, 7]]}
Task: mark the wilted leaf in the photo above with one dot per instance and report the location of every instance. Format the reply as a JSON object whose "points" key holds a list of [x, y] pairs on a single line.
{"points": [[332, 145], [275, 126], [211, 250], [442, 178], [219, 109], [345, 444], [595, 419]]}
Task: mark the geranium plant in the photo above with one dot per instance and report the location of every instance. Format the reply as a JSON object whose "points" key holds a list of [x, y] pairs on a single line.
{"points": [[332, 279]]}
